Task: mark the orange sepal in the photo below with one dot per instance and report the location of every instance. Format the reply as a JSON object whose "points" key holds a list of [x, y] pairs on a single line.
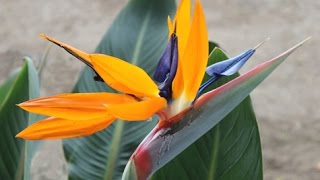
{"points": [[195, 57], [75, 106], [182, 24], [137, 111], [56, 128], [124, 76], [84, 57]]}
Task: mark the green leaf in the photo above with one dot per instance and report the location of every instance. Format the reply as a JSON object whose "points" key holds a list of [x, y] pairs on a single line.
{"points": [[212, 45], [221, 153], [138, 35], [164, 143], [16, 154], [6, 86], [129, 172]]}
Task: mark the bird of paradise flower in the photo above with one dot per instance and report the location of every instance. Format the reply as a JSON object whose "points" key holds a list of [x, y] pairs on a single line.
{"points": [[174, 94]]}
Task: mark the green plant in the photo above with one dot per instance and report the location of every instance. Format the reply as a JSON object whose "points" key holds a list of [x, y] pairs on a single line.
{"points": [[211, 135], [16, 154]]}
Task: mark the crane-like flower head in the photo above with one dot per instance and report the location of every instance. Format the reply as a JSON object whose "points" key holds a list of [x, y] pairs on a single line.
{"points": [[177, 84]]}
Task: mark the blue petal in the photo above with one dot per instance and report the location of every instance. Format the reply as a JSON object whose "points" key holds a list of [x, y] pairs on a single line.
{"points": [[206, 84], [164, 65], [230, 66], [167, 68], [225, 68]]}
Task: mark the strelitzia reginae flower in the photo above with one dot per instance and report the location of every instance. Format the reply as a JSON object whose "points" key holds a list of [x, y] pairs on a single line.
{"points": [[176, 93], [177, 84]]}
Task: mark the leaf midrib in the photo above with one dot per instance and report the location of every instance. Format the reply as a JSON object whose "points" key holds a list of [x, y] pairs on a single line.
{"points": [[9, 94], [11, 90], [114, 150], [138, 45], [215, 153], [117, 136]]}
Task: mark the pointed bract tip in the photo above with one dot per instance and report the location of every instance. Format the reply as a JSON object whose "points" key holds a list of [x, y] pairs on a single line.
{"points": [[298, 45], [261, 43], [304, 41]]}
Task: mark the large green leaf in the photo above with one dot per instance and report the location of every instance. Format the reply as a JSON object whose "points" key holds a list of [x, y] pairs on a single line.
{"points": [[138, 35], [222, 153], [164, 143], [6, 86], [16, 154]]}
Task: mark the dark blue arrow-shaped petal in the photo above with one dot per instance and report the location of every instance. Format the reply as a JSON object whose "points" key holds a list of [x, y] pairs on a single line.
{"points": [[230, 66], [227, 67], [167, 68]]}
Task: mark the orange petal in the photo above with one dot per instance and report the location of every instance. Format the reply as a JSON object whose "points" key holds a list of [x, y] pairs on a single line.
{"points": [[182, 23], [195, 57], [76, 106], [84, 57], [56, 128], [124, 76], [177, 84], [137, 111]]}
